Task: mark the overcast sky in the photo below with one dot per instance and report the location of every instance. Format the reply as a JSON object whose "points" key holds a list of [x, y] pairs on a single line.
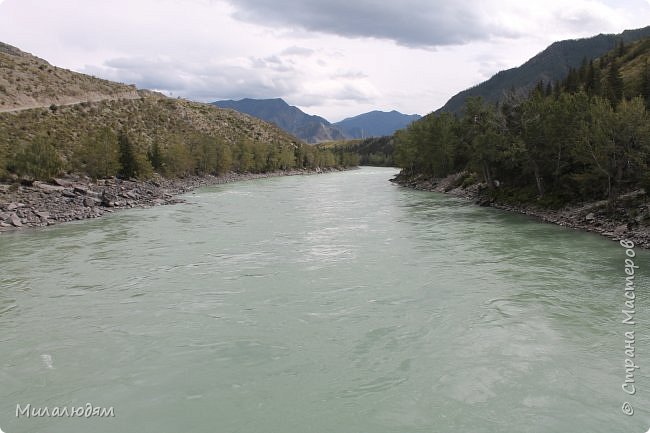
{"points": [[334, 58]]}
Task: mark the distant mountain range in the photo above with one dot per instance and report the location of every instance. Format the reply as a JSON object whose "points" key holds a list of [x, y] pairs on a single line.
{"points": [[552, 64], [315, 129], [63, 112], [312, 129], [375, 124]]}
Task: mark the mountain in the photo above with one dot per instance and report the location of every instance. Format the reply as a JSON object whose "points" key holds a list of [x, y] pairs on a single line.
{"points": [[315, 129], [552, 64], [59, 121], [375, 124], [312, 129]]}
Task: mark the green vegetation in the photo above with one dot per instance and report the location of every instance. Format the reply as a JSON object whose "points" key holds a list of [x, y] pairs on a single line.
{"points": [[550, 65], [134, 138], [99, 155], [36, 160], [130, 133], [376, 151], [585, 138]]}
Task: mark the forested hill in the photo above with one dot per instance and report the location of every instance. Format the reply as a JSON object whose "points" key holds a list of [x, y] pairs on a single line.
{"points": [[101, 129], [552, 64], [374, 151], [585, 138]]}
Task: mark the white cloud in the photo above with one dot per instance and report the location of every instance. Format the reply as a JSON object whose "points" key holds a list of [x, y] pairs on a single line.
{"points": [[430, 23], [334, 58]]}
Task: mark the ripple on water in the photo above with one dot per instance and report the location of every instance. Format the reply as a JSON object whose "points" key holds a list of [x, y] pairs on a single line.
{"points": [[314, 303]]}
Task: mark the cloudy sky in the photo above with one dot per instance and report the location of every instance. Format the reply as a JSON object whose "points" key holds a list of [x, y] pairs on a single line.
{"points": [[334, 58]]}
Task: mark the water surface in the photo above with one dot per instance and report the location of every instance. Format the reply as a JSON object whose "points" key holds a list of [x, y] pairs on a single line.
{"points": [[334, 303]]}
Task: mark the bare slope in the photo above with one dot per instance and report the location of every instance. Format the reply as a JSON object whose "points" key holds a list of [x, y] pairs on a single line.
{"points": [[27, 82], [38, 99]]}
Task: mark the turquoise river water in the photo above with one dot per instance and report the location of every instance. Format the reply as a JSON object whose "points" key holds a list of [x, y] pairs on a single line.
{"points": [[336, 303]]}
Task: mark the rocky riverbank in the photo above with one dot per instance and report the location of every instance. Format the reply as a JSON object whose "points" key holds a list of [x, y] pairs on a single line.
{"points": [[41, 204], [628, 221]]}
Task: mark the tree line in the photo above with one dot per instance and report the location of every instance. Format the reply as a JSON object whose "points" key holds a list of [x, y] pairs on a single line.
{"points": [[373, 151], [580, 139], [105, 153]]}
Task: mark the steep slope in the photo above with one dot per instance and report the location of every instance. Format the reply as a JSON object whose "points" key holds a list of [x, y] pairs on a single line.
{"points": [[552, 64], [375, 124], [312, 129], [150, 119], [27, 82], [172, 136]]}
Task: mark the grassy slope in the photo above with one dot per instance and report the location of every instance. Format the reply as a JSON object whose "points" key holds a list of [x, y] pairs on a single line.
{"points": [[91, 103], [149, 119]]}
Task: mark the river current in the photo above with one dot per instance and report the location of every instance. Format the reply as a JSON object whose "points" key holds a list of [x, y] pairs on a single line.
{"points": [[334, 303]]}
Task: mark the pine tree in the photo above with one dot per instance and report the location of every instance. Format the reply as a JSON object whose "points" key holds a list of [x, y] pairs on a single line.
{"points": [[127, 157], [155, 156], [538, 90], [593, 85], [572, 82], [614, 84], [549, 89]]}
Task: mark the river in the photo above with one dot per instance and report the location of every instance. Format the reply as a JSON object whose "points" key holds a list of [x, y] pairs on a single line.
{"points": [[330, 303]]}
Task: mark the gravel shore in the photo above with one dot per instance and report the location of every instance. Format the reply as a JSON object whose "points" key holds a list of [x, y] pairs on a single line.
{"points": [[41, 204], [628, 221]]}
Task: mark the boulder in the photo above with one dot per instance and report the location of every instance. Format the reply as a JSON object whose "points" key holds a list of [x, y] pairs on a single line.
{"points": [[81, 190], [619, 230], [590, 216], [484, 202], [91, 202], [62, 182], [47, 187], [14, 220]]}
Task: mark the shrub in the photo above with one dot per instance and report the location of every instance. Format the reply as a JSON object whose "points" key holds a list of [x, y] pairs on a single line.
{"points": [[177, 160], [99, 156], [37, 160]]}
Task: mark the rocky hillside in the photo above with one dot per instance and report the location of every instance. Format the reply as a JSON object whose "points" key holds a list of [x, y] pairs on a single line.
{"points": [[150, 118], [117, 130], [27, 81], [552, 64]]}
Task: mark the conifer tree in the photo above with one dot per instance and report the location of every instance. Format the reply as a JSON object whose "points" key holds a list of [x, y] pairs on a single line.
{"points": [[127, 157], [614, 84]]}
